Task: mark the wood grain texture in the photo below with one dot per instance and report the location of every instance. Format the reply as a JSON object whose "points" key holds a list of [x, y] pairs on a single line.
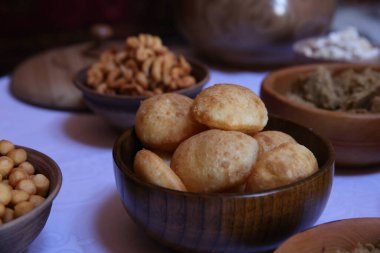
{"points": [[333, 236], [120, 110], [194, 222], [355, 137], [16, 235], [46, 78]]}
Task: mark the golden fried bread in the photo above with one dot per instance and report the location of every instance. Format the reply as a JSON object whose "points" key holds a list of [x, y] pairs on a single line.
{"points": [[163, 121], [280, 166], [152, 169], [230, 107], [215, 160], [270, 139]]}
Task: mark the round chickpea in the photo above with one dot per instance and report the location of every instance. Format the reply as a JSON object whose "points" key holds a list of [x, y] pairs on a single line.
{"points": [[36, 199], [6, 146], [18, 155], [19, 196], [28, 167], [5, 194], [6, 165], [23, 208], [2, 210], [27, 185], [16, 176], [8, 215], [42, 184]]}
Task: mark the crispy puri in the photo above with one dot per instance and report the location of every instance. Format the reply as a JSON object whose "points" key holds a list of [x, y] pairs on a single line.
{"points": [[163, 121], [280, 166], [215, 160], [270, 139], [230, 107], [152, 169]]}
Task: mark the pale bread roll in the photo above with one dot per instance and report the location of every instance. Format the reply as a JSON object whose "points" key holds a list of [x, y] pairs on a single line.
{"points": [[230, 107], [215, 160], [270, 139], [152, 169], [163, 121], [280, 166]]}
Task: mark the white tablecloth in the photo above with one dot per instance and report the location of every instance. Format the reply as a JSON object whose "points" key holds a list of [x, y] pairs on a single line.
{"points": [[87, 215]]}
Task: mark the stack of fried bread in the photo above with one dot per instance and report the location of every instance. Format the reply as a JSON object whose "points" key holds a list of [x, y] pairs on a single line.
{"points": [[216, 143]]}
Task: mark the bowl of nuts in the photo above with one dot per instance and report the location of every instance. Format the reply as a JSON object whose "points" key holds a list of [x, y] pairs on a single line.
{"points": [[114, 86], [29, 182], [224, 178]]}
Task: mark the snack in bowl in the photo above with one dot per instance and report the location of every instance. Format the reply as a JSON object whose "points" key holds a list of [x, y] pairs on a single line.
{"points": [[164, 121], [144, 68], [21, 189], [27, 192], [230, 107], [270, 139], [215, 160]]}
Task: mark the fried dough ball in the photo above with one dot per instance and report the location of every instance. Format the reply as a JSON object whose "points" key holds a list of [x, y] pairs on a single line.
{"points": [[230, 107], [270, 139], [163, 121], [152, 169], [280, 166], [215, 160], [18, 155], [6, 146]]}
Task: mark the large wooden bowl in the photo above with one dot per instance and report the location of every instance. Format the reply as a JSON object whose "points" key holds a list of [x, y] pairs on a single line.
{"points": [[16, 235], [343, 235], [355, 137], [120, 110], [225, 222]]}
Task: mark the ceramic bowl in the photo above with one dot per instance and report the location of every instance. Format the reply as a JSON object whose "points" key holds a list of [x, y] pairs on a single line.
{"points": [[251, 33], [355, 137], [119, 111], [16, 235], [343, 235], [225, 222]]}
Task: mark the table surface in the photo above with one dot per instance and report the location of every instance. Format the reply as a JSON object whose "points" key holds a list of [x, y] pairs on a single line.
{"points": [[87, 215]]}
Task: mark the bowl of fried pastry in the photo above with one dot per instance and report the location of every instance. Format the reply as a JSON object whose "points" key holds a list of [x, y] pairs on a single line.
{"points": [[339, 100], [355, 235], [217, 174], [119, 80]]}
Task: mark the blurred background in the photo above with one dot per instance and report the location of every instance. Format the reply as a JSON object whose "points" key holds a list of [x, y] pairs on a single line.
{"points": [[31, 26]]}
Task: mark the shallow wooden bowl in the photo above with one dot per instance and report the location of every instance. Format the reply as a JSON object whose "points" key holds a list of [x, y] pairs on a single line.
{"points": [[355, 137], [119, 110], [225, 222], [333, 236], [16, 235]]}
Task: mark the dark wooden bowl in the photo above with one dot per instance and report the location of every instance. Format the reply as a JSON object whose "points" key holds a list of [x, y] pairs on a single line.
{"points": [[355, 137], [119, 111], [225, 222], [333, 236], [16, 235], [246, 32]]}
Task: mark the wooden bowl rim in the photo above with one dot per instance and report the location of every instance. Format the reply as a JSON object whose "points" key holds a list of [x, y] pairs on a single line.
{"points": [[126, 172], [267, 86], [79, 80], [324, 226], [52, 194]]}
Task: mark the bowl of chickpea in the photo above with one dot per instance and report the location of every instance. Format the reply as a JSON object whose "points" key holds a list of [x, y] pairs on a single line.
{"points": [[29, 182], [118, 81]]}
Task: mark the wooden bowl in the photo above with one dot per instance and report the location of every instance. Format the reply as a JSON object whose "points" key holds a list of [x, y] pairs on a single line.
{"points": [[258, 33], [355, 137], [225, 222], [333, 236], [16, 235], [119, 110]]}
